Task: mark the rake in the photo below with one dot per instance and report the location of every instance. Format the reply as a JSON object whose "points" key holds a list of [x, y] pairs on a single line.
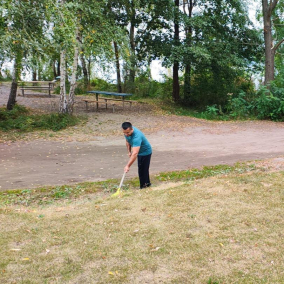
{"points": [[120, 185]]}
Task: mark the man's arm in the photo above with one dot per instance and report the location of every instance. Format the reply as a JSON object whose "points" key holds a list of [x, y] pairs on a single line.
{"points": [[133, 157], [128, 147]]}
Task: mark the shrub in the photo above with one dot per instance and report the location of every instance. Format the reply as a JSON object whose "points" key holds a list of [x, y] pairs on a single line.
{"points": [[102, 85], [238, 106], [270, 103], [264, 104], [20, 119]]}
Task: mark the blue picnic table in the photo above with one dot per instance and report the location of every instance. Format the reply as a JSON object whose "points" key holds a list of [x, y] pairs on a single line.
{"points": [[121, 95]]}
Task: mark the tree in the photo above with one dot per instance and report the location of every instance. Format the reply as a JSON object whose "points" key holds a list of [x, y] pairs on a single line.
{"points": [[66, 36], [23, 23], [269, 15], [220, 44]]}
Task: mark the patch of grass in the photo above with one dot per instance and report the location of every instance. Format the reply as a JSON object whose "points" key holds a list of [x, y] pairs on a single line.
{"points": [[193, 174], [22, 120], [50, 194], [213, 230]]}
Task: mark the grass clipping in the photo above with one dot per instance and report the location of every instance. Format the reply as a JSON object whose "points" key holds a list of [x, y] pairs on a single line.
{"points": [[220, 229]]}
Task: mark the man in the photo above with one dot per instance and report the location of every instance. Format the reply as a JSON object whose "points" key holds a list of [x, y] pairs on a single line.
{"points": [[138, 146]]}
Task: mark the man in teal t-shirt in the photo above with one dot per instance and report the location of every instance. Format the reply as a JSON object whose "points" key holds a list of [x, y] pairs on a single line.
{"points": [[138, 147]]}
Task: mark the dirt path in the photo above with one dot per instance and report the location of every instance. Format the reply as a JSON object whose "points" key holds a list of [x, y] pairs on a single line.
{"points": [[96, 151]]}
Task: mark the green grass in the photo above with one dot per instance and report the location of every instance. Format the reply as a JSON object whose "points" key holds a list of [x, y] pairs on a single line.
{"points": [[193, 174], [22, 120], [50, 194]]}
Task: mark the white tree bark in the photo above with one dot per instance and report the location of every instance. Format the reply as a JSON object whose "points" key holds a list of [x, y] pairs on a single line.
{"points": [[74, 72], [63, 99]]}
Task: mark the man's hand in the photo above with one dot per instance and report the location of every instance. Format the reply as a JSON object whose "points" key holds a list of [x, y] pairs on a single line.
{"points": [[133, 157]]}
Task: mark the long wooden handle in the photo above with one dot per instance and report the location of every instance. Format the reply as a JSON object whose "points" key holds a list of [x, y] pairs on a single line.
{"points": [[122, 180]]}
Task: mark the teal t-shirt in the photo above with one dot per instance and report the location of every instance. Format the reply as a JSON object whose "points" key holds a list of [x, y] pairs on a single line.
{"points": [[138, 139]]}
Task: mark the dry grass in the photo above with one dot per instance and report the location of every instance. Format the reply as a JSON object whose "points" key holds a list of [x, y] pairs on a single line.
{"points": [[223, 229]]}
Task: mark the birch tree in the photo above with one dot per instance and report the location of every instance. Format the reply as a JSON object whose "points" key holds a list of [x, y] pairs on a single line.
{"points": [[66, 36]]}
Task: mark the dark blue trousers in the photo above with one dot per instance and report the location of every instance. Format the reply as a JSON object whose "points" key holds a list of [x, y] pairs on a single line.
{"points": [[143, 170]]}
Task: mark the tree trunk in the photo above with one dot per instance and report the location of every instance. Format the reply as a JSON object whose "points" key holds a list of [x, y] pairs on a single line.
{"points": [[58, 68], [83, 62], [85, 70], [1, 64], [132, 54], [34, 75], [270, 48], [188, 34], [187, 83], [89, 71], [63, 98], [39, 72], [54, 69], [132, 48], [71, 98], [268, 41], [118, 78], [176, 95], [16, 76], [13, 94]]}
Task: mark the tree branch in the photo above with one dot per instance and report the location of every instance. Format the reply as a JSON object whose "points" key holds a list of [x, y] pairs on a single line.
{"points": [[274, 48], [273, 5]]}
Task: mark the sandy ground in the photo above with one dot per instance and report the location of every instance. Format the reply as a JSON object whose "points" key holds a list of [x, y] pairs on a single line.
{"points": [[96, 151]]}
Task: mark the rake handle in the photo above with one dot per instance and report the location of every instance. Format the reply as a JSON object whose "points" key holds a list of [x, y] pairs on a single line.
{"points": [[122, 179]]}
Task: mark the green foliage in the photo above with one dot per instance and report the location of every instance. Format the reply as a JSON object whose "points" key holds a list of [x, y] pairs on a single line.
{"points": [[263, 104], [270, 103], [103, 85], [146, 87], [20, 119], [7, 77], [210, 281], [238, 106]]}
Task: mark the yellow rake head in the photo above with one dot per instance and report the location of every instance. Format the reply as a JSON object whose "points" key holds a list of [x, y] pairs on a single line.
{"points": [[120, 185]]}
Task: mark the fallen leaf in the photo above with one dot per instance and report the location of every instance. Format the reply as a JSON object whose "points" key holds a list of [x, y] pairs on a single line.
{"points": [[155, 249]]}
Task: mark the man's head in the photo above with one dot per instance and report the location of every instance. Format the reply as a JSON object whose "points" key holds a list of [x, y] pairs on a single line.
{"points": [[127, 128]]}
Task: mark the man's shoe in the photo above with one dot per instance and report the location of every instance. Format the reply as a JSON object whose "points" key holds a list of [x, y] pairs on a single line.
{"points": [[146, 185]]}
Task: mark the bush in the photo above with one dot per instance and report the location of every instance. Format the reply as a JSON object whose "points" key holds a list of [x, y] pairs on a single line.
{"points": [[145, 87], [238, 106], [102, 85], [264, 104], [270, 103], [20, 119]]}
